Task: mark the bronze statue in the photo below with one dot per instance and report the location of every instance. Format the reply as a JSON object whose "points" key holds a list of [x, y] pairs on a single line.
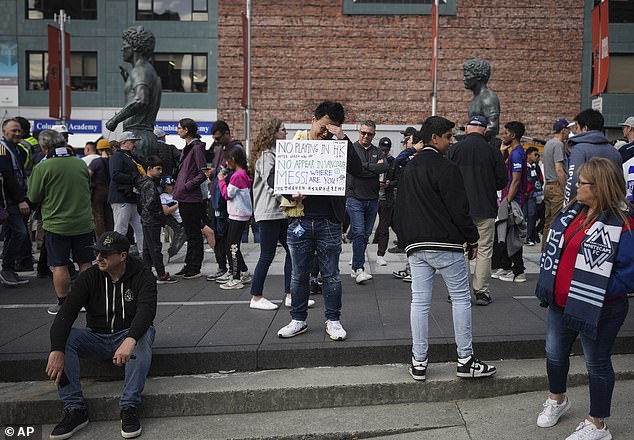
{"points": [[142, 90], [485, 101]]}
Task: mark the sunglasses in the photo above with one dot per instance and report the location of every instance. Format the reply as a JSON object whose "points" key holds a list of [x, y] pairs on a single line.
{"points": [[366, 133]]}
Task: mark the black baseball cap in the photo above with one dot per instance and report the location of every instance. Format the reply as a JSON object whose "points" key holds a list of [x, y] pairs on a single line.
{"points": [[385, 142], [408, 131], [112, 241]]}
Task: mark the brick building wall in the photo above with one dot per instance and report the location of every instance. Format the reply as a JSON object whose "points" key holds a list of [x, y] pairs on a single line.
{"points": [[305, 51]]}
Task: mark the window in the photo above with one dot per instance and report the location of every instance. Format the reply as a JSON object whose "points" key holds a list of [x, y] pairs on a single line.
{"points": [[182, 72], [83, 71], [179, 10], [620, 76], [621, 11], [396, 7], [46, 9]]}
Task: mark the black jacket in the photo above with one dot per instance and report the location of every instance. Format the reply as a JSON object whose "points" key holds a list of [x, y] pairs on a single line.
{"points": [[150, 202], [123, 174], [484, 172], [432, 211], [365, 185], [127, 304], [170, 155]]}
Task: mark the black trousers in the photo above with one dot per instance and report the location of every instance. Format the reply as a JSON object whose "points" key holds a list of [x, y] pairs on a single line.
{"points": [[502, 260], [234, 237], [192, 214], [383, 229], [152, 246]]}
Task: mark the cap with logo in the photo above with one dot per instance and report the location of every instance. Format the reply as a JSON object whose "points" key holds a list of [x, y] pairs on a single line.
{"points": [[112, 241], [385, 142], [629, 122], [61, 129], [167, 180], [128, 136], [478, 121], [560, 124]]}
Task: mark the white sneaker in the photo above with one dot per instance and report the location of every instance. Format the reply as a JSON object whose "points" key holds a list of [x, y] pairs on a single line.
{"points": [[380, 261], [224, 278], [360, 276], [245, 278], [288, 302], [521, 278], [232, 285], [335, 330], [293, 328], [552, 412], [587, 431], [498, 272], [262, 304], [507, 276]]}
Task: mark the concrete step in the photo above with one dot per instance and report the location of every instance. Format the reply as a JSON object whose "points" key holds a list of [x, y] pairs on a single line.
{"points": [[499, 418], [283, 390]]}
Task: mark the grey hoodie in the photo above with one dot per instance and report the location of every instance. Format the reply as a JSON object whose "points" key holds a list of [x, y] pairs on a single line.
{"points": [[266, 203], [583, 147]]}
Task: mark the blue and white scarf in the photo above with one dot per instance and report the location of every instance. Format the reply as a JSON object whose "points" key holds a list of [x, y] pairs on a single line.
{"points": [[593, 267]]}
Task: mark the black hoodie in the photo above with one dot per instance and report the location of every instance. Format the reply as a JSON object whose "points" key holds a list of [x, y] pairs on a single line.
{"points": [[129, 304]]}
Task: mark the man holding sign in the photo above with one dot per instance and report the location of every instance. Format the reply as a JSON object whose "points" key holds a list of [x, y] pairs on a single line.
{"points": [[319, 228]]}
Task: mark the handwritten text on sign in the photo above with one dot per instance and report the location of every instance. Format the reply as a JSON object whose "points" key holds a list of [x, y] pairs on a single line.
{"points": [[311, 167]]}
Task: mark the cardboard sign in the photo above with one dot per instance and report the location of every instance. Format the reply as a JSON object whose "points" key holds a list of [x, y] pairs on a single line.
{"points": [[311, 167]]}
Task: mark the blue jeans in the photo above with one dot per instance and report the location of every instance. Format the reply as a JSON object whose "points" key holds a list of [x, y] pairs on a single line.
{"points": [[14, 236], [84, 343], [362, 215], [271, 231], [453, 268], [324, 237], [559, 340]]}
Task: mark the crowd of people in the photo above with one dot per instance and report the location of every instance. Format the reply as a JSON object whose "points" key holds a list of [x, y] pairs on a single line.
{"points": [[448, 202]]}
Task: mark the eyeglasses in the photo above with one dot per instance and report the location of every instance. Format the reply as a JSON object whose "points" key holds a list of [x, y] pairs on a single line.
{"points": [[106, 254], [582, 183], [366, 133]]}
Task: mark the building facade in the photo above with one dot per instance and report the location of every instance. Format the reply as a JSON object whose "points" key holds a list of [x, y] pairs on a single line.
{"points": [[374, 56]]}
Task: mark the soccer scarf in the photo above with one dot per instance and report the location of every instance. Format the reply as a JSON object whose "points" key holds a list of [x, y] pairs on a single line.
{"points": [[593, 267]]}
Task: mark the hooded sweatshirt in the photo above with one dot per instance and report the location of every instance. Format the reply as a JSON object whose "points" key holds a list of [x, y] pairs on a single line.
{"points": [[238, 196], [111, 307], [584, 147]]}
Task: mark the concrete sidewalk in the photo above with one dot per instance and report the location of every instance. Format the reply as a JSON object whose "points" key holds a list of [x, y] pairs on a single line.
{"points": [[202, 328]]}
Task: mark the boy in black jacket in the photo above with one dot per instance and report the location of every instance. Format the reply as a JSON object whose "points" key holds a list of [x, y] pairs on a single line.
{"points": [[432, 219], [153, 219], [119, 295]]}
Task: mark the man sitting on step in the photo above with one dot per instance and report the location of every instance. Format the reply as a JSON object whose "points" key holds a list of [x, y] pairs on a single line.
{"points": [[119, 296]]}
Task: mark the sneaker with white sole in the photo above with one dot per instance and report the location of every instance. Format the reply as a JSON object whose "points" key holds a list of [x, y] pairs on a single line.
{"points": [[499, 272], [380, 261], [472, 367], [288, 302], [407, 278], [361, 276], [214, 276], [224, 278], [293, 328], [512, 278], [418, 370], [399, 274], [335, 330], [245, 278], [74, 420], [232, 285], [262, 304], [552, 412], [587, 431]]}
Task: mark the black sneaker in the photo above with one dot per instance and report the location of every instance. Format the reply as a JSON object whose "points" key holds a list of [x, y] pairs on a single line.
{"points": [[482, 298], [181, 272], [218, 274], [315, 288], [74, 420], [400, 274], [396, 250], [192, 275], [9, 278], [472, 367], [417, 369], [130, 425]]}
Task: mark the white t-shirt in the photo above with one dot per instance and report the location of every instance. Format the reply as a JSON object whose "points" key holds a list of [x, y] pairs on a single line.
{"points": [[89, 158], [168, 200]]}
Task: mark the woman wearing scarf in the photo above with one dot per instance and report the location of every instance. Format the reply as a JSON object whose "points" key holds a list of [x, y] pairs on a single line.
{"points": [[587, 268]]}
